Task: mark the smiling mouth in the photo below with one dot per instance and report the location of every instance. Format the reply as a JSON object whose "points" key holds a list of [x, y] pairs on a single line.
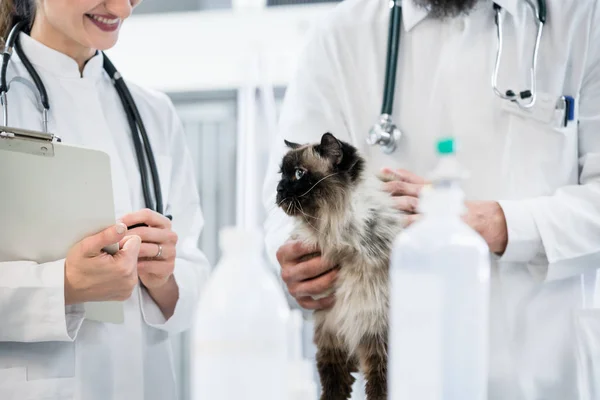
{"points": [[105, 22]]}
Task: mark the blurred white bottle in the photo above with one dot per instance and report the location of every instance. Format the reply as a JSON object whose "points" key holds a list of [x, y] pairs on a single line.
{"points": [[248, 5], [301, 383], [240, 344], [439, 276]]}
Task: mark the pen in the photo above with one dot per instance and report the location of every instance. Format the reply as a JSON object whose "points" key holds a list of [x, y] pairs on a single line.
{"points": [[143, 225]]}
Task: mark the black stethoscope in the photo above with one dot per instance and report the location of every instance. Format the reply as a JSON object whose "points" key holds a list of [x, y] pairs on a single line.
{"points": [[386, 134], [142, 146]]}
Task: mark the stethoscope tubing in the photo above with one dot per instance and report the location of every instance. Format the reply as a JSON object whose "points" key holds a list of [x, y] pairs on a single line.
{"points": [[386, 126], [142, 145]]}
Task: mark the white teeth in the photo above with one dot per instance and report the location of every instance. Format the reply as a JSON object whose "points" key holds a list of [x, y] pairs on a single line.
{"points": [[105, 20]]}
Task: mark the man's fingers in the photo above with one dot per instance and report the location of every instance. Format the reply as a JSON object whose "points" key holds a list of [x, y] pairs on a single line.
{"points": [[402, 175], [411, 219], [294, 250], [306, 270], [148, 217], [397, 188], [315, 286], [93, 245], [406, 203], [308, 303]]}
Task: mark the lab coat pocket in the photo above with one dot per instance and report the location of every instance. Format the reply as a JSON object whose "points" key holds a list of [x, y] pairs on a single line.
{"points": [[164, 166], [541, 150], [40, 389], [587, 331], [11, 380]]}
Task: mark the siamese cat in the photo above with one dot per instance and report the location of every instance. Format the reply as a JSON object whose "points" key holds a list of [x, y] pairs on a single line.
{"points": [[344, 211]]}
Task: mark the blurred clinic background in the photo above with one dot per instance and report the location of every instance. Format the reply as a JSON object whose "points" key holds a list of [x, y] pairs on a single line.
{"points": [[225, 64]]}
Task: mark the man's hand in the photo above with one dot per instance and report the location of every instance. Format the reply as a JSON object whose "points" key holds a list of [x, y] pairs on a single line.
{"points": [[306, 275], [485, 217], [156, 261], [404, 186]]}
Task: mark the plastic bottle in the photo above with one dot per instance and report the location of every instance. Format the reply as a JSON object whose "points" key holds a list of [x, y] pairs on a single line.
{"points": [[439, 276], [301, 383], [240, 344]]}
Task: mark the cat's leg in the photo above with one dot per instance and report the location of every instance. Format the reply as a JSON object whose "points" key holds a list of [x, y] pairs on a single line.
{"points": [[373, 356], [334, 365]]}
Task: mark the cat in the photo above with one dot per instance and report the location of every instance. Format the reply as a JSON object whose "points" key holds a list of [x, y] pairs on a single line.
{"points": [[343, 210]]}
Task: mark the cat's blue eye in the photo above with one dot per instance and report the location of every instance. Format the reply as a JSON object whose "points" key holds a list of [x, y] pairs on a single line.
{"points": [[299, 174]]}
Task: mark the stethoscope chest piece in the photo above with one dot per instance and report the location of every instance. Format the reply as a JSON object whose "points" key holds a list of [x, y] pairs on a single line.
{"points": [[385, 133]]}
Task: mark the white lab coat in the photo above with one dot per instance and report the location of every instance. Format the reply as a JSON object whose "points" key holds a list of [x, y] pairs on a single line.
{"points": [[546, 177], [51, 351]]}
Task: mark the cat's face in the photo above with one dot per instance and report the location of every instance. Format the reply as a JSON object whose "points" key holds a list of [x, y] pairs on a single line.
{"points": [[316, 176]]}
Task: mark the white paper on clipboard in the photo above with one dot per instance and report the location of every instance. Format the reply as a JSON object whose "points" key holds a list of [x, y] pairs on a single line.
{"points": [[54, 196]]}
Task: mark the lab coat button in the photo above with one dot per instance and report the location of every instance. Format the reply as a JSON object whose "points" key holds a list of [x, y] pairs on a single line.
{"points": [[460, 25]]}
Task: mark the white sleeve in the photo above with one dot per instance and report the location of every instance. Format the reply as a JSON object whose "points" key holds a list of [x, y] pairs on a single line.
{"points": [[311, 108], [32, 303], [566, 226], [191, 266]]}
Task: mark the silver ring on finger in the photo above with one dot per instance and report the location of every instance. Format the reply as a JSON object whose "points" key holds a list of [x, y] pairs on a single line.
{"points": [[160, 251]]}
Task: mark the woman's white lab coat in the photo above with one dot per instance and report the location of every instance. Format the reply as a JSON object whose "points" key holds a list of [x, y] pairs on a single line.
{"points": [[546, 176], [51, 351]]}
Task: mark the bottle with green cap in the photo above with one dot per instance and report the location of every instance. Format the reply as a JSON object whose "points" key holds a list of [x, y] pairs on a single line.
{"points": [[439, 298]]}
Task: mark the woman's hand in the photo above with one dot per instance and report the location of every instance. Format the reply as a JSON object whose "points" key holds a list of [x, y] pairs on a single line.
{"points": [[157, 257], [93, 275], [158, 250]]}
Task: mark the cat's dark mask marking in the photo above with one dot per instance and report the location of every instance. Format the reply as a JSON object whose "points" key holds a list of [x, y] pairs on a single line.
{"points": [[315, 175]]}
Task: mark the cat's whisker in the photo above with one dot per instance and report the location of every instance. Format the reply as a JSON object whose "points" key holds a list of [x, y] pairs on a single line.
{"points": [[320, 180], [305, 214], [306, 220], [278, 205]]}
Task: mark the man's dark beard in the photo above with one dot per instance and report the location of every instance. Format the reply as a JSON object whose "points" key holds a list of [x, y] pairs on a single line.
{"points": [[447, 8]]}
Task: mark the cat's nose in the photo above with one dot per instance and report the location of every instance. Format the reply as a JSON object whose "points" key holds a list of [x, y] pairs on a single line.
{"points": [[280, 187]]}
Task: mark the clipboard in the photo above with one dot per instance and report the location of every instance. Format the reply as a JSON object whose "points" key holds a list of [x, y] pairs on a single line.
{"points": [[54, 195]]}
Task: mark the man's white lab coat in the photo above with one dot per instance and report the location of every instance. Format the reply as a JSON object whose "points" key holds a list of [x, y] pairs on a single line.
{"points": [[545, 176]]}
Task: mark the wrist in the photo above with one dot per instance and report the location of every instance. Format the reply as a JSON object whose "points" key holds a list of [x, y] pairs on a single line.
{"points": [[72, 296], [165, 296], [498, 230], [160, 286]]}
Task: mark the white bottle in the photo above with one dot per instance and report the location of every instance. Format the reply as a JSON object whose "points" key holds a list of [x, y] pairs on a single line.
{"points": [[301, 382], [439, 277], [239, 344]]}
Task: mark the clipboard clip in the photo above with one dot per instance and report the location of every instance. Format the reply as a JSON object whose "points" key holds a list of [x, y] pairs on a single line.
{"points": [[26, 141]]}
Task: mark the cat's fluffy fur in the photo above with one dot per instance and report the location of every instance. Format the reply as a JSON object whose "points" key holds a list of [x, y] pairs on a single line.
{"points": [[345, 212]]}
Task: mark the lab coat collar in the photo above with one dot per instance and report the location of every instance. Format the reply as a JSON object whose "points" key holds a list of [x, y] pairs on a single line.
{"points": [[509, 5], [412, 14], [57, 63]]}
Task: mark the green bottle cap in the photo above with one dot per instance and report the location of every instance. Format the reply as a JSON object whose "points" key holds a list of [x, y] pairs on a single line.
{"points": [[446, 146]]}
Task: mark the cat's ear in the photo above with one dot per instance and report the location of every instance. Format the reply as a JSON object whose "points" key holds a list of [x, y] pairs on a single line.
{"points": [[292, 145], [331, 148]]}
